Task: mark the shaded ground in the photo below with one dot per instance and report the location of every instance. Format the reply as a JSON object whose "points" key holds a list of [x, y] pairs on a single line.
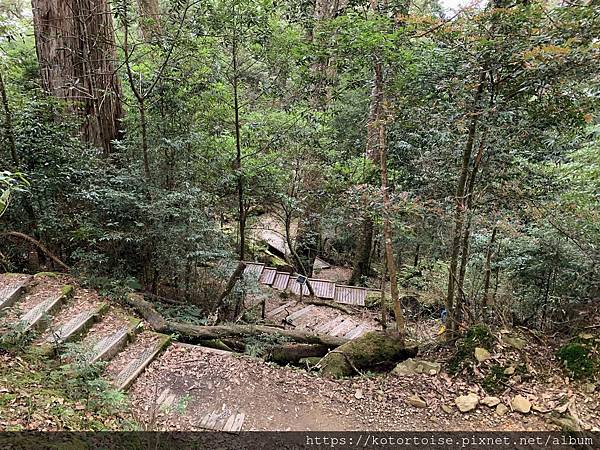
{"points": [[276, 398]]}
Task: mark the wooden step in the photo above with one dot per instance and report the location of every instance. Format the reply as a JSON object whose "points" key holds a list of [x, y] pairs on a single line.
{"points": [[11, 293], [219, 420], [112, 344], [326, 327], [280, 309], [76, 325], [138, 358], [356, 332], [299, 313], [342, 328], [33, 318]]}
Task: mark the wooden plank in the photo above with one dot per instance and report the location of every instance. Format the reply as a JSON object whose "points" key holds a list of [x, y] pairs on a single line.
{"points": [[299, 313], [279, 309], [134, 369], [76, 325], [205, 420], [350, 295], [10, 294], [342, 328], [294, 286], [212, 420], [235, 425], [110, 345], [35, 315], [323, 288], [328, 326], [268, 276], [356, 332], [281, 281]]}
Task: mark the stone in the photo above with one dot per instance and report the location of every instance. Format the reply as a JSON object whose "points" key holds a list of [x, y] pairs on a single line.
{"points": [[412, 367], [490, 401], [515, 342], [481, 354], [466, 403], [446, 409], [501, 409], [416, 401], [520, 404], [509, 370]]}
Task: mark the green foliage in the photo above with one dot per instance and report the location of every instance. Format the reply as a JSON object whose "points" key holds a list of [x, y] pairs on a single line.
{"points": [[580, 358], [259, 345], [476, 336], [494, 380]]}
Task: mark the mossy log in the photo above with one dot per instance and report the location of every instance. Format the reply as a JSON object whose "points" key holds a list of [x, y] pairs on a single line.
{"points": [[376, 350], [292, 353], [196, 334]]}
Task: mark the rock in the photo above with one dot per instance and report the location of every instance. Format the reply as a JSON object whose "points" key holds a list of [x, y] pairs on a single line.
{"points": [[566, 423], [520, 404], [490, 401], [501, 409], [359, 394], [416, 401], [446, 409], [416, 366], [515, 342], [509, 370], [481, 354], [466, 403]]}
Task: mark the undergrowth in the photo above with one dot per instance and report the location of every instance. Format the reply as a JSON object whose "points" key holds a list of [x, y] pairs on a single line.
{"points": [[39, 393], [581, 357], [477, 336]]}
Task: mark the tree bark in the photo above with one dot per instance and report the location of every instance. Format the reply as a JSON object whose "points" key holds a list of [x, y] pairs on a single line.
{"points": [[387, 236], [149, 18], [293, 353], [8, 122], [235, 277], [196, 334], [373, 350], [487, 300], [76, 52], [459, 213]]}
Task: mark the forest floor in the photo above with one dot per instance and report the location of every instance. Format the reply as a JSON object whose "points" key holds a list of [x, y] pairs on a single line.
{"points": [[206, 381]]}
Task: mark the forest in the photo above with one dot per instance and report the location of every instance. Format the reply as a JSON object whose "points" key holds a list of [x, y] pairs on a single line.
{"points": [[395, 201]]}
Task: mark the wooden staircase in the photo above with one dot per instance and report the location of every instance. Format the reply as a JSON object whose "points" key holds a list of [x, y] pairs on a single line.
{"points": [[55, 313]]}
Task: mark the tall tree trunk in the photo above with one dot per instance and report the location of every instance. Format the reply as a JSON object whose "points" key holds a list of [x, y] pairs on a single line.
{"points": [[8, 123], [238, 155], [149, 18], [387, 234], [76, 52], [487, 300], [362, 262], [464, 258], [452, 306]]}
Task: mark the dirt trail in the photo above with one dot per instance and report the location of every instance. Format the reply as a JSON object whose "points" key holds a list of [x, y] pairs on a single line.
{"points": [[200, 381]]}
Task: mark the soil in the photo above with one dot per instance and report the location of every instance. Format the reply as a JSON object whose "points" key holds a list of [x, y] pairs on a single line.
{"points": [[275, 398]]}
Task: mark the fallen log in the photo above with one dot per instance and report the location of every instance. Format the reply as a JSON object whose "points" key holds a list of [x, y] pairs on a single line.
{"points": [[374, 350], [292, 353], [194, 334]]}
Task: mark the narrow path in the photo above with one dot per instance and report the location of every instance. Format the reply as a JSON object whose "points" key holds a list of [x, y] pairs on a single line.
{"points": [[187, 383]]}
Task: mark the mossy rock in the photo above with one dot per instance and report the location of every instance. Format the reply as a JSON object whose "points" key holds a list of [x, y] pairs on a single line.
{"points": [[580, 358], [376, 350]]}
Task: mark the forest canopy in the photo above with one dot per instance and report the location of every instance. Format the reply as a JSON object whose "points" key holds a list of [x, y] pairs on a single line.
{"points": [[454, 158]]}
